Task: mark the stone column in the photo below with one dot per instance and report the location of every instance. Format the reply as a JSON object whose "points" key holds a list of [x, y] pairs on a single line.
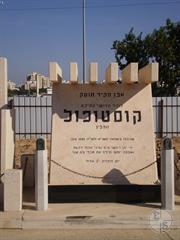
{"points": [[13, 190], [167, 175], [6, 122], [41, 176], [3, 96], [3, 82]]}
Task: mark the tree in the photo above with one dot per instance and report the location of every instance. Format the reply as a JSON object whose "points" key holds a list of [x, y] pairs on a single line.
{"points": [[162, 46]]}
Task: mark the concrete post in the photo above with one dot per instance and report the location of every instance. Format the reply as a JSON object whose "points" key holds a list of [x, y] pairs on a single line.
{"points": [[3, 98], [130, 73], [3, 82], [73, 73], [112, 73], [167, 175], [41, 176], [149, 73], [13, 190], [93, 73]]}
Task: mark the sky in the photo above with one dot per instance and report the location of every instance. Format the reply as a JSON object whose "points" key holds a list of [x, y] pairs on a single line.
{"points": [[34, 32]]}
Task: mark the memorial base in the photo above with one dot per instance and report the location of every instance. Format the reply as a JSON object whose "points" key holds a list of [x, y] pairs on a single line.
{"points": [[105, 193]]}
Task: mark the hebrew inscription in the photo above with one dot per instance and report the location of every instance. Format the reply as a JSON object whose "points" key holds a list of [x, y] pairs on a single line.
{"points": [[102, 134]]}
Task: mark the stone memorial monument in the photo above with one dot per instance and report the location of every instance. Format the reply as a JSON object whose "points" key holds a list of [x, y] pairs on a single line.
{"points": [[102, 132], [6, 129]]}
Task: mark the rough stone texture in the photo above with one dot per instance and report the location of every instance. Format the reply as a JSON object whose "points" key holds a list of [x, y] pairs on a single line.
{"points": [[13, 190], [26, 147], [82, 151]]}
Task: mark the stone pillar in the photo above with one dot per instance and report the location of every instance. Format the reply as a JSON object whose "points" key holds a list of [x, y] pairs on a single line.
{"points": [[73, 73], [7, 139], [112, 73], [3, 82], [167, 175], [41, 176], [93, 73], [3, 96], [13, 190]]}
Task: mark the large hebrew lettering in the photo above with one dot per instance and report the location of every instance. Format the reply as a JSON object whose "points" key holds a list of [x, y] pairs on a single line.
{"points": [[102, 133]]}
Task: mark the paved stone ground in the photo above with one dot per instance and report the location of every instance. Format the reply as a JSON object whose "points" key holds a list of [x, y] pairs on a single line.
{"points": [[88, 235], [90, 216]]}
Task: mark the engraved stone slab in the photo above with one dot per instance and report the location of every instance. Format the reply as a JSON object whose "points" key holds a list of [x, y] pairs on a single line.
{"points": [[102, 134]]}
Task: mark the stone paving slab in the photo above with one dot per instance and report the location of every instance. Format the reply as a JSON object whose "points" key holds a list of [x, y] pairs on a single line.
{"points": [[87, 216], [11, 220]]}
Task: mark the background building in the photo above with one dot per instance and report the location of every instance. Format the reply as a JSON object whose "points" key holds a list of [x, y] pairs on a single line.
{"points": [[11, 85], [36, 78]]}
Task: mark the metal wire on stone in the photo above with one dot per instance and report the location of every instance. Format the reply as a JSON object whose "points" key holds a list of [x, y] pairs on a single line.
{"points": [[96, 177]]}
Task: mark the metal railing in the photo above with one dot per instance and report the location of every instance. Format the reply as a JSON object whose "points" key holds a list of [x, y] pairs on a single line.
{"points": [[34, 114]]}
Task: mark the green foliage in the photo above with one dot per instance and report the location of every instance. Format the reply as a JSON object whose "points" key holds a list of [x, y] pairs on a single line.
{"points": [[12, 93], [162, 46], [22, 91]]}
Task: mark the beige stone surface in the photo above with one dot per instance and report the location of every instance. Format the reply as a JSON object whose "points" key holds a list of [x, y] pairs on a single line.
{"points": [[112, 73], [93, 73], [55, 72], [7, 139], [3, 96], [86, 150], [11, 220], [87, 215], [149, 73], [73, 73], [41, 180], [3, 82], [130, 73], [89, 234], [26, 147], [13, 190]]}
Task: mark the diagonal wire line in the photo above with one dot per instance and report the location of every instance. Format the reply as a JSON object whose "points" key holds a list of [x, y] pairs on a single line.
{"points": [[96, 177], [91, 6]]}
